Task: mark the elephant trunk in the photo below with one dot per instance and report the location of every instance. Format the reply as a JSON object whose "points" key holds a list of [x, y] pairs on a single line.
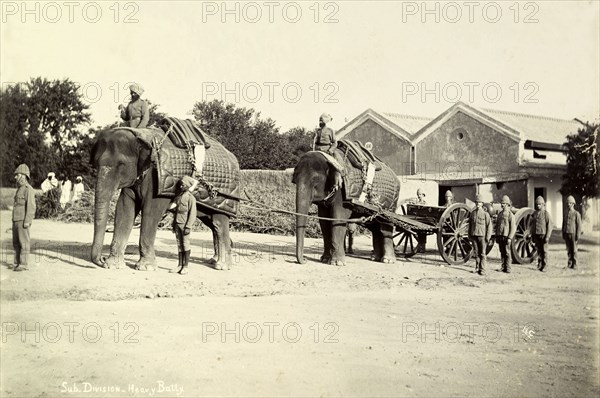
{"points": [[105, 187], [303, 202]]}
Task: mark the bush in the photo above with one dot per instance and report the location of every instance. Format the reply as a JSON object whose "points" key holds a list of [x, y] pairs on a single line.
{"points": [[272, 189]]}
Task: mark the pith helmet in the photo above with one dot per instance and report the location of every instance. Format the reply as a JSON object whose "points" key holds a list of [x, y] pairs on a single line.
{"points": [[539, 200], [136, 88], [420, 192], [23, 169], [326, 117], [505, 200], [478, 198], [571, 199], [448, 194]]}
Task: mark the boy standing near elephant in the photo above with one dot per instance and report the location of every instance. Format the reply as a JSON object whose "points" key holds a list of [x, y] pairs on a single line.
{"points": [[183, 220], [22, 217], [505, 231], [571, 231]]}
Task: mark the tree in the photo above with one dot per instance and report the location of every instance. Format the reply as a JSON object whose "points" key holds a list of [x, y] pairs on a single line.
{"points": [[19, 143], [299, 141], [583, 159], [255, 142]]}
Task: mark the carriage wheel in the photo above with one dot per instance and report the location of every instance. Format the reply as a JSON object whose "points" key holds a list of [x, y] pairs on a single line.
{"points": [[453, 234], [407, 243], [522, 247]]}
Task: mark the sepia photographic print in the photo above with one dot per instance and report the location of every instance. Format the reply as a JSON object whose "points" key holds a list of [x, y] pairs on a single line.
{"points": [[299, 198]]}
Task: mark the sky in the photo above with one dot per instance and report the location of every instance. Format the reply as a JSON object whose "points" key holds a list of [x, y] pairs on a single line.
{"points": [[293, 60]]}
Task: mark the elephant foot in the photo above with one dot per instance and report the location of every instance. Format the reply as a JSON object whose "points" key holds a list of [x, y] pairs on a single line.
{"points": [[388, 260], [213, 261], [326, 259], [222, 266], [145, 265], [338, 263], [113, 262]]}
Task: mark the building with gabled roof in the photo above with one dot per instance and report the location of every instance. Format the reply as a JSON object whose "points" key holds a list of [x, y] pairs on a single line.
{"points": [[470, 150]]}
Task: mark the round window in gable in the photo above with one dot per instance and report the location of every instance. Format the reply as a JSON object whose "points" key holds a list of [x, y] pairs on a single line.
{"points": [[460, 134]]}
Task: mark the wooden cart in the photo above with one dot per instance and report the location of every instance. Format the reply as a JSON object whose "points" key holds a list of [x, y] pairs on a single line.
{"points": [[451, 227]]}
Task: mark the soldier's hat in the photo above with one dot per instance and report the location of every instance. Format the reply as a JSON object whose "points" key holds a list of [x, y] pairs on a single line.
{"points": [[505, 200], [539, 200], [23, 169], [448, 194], [478, 198], [571, 199]]}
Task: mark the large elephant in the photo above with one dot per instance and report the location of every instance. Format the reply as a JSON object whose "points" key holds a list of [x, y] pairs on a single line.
{"points": [[124, 162], [314, 177]]}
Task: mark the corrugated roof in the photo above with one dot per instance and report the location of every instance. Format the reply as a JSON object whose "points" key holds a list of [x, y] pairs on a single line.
{"points": [[409, 123], [536, 128]]}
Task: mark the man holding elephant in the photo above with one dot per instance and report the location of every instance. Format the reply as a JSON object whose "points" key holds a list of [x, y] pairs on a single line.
{"points": [[183, 220]]}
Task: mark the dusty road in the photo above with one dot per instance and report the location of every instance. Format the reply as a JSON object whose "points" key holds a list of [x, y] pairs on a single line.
{"points": [[273, 327]]}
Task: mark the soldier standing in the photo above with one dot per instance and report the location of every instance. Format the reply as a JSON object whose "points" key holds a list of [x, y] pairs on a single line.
{"points": [[22, 217], [541, 228], [571, 231], [480, 233], [421, 237], [136, 114], [505, 231], [449, 198], [183, 220]]}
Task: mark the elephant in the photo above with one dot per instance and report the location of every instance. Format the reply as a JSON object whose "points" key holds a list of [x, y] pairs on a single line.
{"points": [[314, 178], [123, 161]]}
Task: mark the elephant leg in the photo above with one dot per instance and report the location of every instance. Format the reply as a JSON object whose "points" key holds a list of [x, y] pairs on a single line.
{"points": [[387, 243], [152, 211], [125, 213], [324, 211], [208, 222], [223, 241], [377, 242], [338, 231]]}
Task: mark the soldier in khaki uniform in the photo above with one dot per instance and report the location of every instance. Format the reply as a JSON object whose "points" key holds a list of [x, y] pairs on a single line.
{"points": [[183, 220], [571, 231], [505, 231], [480, 233], [136, 113], [22, 217], [449, 198], [421, 237], [541, 228]]}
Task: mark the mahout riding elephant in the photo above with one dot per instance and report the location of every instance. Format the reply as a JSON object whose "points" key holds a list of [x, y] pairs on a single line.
{"points": [[124, 161], [314, 177]]}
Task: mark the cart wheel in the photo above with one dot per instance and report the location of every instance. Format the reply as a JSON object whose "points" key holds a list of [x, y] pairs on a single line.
{"points": [[490, 245], [453, 234], [522, 247], [407, 243]]}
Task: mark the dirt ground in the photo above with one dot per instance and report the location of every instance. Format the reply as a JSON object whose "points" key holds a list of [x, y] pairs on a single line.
{"points": [[271, 327]]}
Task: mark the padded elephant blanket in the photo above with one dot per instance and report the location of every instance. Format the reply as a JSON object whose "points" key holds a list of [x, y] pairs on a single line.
{"points": [[221, 171], [385, 189]]}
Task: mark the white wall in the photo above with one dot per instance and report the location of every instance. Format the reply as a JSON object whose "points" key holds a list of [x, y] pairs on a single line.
{"points": [[554, 199]]}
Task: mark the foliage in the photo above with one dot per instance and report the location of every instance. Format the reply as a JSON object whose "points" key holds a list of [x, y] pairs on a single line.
{"points": [[256, 143], [40, 123], [48, 204], [583, 159]]}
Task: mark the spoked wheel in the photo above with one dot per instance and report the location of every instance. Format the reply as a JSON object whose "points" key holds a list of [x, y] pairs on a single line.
{"points": [[453, 234], [522, 247], [407, 243]]}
